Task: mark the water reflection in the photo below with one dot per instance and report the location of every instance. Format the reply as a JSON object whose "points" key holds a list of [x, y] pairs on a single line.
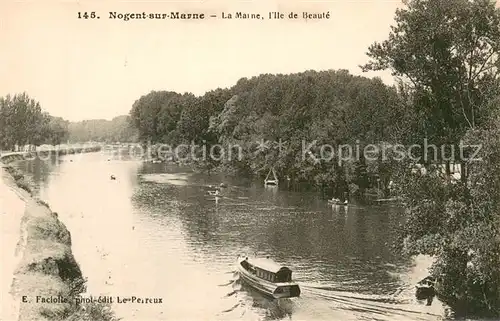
{"points": [[156, 231], [271, 309]]}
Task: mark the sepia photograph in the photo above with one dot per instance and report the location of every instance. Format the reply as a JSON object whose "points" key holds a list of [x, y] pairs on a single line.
{"points": [[220, 160]]}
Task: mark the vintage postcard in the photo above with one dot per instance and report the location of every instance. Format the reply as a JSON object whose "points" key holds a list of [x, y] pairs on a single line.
{"points": [[250, 160]]}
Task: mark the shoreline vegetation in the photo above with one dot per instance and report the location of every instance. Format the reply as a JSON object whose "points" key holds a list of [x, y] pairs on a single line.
{"points": [[444, 55], [47, 267]]}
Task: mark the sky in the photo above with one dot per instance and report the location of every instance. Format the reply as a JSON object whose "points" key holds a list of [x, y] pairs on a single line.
{"points": [[96, 68]]}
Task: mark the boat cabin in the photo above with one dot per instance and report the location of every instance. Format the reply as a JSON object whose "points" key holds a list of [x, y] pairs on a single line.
{"points": [[268, 270]]}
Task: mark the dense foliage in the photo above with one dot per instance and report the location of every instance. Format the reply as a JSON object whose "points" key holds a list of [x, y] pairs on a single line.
{"points": [[287, 113], [447, 55], [22, 122], [119, 129]]}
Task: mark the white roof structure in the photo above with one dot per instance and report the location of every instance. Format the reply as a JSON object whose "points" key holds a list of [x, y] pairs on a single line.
{"points": [[267, 264]]}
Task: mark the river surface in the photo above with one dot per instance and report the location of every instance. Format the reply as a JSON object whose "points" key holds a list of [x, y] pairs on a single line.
{"points": [[153, 232]]}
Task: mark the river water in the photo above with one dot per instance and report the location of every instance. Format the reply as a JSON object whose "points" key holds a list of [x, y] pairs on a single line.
{"points": [[153, 232]]}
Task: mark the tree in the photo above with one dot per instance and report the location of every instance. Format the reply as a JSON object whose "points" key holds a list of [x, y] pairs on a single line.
{"points": [[57, 130], [447, 52], [459, 224], [22, 121], [119, 129], [280, 111]]}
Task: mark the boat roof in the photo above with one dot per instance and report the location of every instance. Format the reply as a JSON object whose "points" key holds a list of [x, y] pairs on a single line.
{"points": [[267, 264]]}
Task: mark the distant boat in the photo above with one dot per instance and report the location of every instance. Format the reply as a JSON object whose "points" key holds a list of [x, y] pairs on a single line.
{"points": [[336, 201], [268, 277], [271, 180], [214, 196], [214, 193], [387, 200]]}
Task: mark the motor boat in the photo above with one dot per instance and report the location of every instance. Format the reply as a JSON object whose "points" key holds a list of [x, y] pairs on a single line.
{"points": [[268, 277]]}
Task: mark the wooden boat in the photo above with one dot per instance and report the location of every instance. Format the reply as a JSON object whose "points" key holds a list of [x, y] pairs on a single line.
{"points": [[387, 200], [336, 201], [271, 180], [268, 277]]}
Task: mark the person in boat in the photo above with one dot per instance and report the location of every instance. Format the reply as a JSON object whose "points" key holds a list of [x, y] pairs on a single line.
{"points": [[244, 263], [346, 197], [247, 266]]}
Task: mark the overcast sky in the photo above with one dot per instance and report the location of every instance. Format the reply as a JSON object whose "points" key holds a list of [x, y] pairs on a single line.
{"points": [[85, 69]]}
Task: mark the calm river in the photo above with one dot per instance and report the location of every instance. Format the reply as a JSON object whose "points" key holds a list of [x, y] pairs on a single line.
{"points": [[153, 232]]}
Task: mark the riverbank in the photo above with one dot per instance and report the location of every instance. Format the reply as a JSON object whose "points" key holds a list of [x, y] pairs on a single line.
{"points": [[7, 157], [12, 208], [40, 261]]}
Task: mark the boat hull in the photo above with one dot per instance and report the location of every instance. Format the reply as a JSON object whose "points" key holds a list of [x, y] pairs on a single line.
{"points": [[336, 203], [274, 290]]}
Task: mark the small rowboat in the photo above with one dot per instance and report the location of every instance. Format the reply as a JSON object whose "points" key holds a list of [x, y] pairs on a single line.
{"points": [[268, 277], [336, 201]]}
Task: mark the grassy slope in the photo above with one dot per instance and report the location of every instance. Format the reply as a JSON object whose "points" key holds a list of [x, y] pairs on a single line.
{"points": [[48, 267]]}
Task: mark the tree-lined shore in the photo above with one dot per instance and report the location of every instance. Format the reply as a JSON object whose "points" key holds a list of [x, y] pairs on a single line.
{"points": [[23, 122], [444, 55]]}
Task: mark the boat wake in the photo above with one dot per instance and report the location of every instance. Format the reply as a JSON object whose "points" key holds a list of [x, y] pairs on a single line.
{"points": [[232, 308], [231, 293], [165, 178], [229, 283], [388, 307], [252, 304], [322, 300]]}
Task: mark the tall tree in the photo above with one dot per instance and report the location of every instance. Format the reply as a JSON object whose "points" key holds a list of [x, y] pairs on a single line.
{"points": [[446, 54], [447, 51], [22, 121]]}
